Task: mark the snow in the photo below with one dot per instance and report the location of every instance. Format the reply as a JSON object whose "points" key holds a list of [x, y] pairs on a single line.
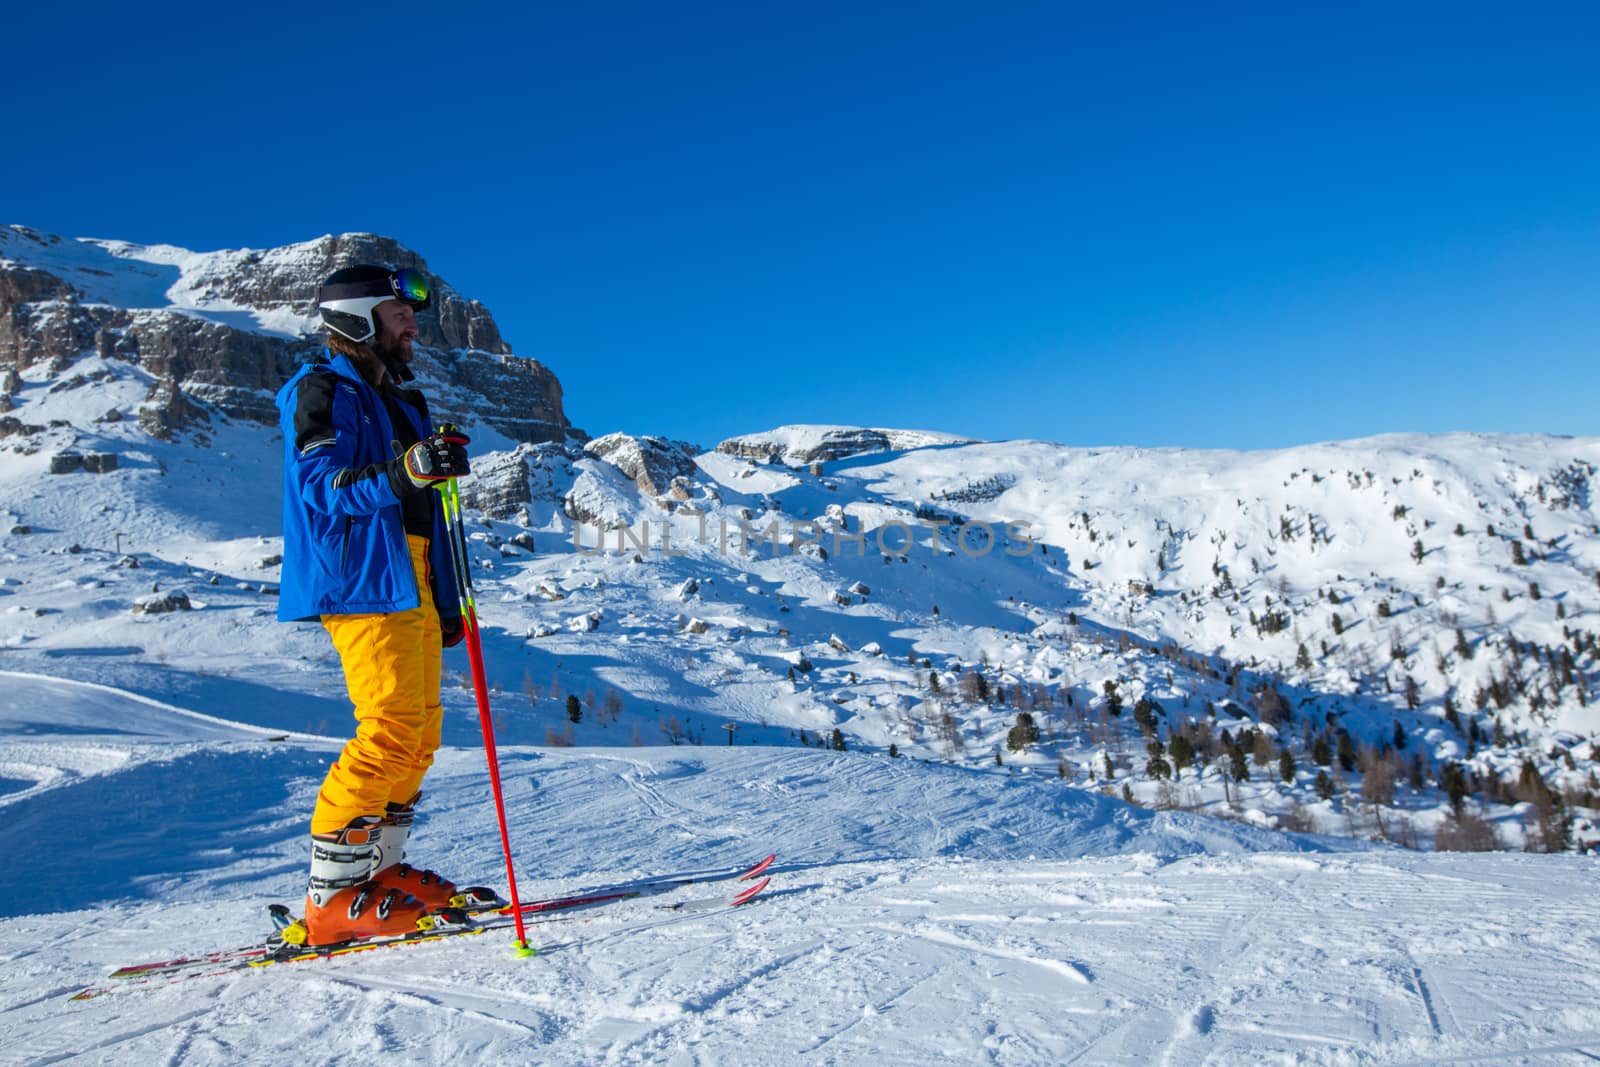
{"points": [[919, 913]]}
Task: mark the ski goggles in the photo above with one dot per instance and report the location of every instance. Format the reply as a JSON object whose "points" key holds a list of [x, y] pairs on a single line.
{"points": [[410, 286], [407, 285]]}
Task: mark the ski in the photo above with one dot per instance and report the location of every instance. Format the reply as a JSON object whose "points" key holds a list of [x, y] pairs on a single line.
{"points": [[647, 887], [479, 911], [474, 900], [441, 928]]}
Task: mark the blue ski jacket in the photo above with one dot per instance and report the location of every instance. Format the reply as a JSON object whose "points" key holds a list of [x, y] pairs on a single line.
{"points": [[344, 538]]}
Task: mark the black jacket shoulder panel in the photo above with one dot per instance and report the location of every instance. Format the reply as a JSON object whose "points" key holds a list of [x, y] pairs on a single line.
{"points": [[313, 411]]}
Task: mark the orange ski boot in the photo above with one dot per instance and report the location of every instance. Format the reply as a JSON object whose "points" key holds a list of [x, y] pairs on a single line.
{"points": [[343, 902], [433, 889], [367, 910]]}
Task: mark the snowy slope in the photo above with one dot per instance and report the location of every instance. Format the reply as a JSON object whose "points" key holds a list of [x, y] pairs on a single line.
{"points": [[926, 914]]}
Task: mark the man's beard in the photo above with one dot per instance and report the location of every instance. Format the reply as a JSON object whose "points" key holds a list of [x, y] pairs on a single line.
{"points": [[395, 356], [392, 349]]}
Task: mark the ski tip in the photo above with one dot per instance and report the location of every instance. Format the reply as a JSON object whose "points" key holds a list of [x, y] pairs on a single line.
{"points": [[758, 868], [751, 893]]}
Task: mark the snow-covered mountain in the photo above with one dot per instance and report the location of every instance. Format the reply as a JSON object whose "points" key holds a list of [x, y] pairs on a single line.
{"points": [[1387, 638], [212, 335], [1422, 604]]}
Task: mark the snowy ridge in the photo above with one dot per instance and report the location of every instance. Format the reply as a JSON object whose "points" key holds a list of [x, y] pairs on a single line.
{"points": [[936, 593], [162, 277]]}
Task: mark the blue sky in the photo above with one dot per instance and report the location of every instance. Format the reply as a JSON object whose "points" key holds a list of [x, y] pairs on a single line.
{"points": [[1233, 227]]}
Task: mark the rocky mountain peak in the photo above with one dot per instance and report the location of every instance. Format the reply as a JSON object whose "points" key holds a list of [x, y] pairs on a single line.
{"points": [[218, 332]]}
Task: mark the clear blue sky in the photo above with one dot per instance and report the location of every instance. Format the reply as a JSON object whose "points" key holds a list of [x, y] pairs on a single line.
{"points": [[1182, 224]]}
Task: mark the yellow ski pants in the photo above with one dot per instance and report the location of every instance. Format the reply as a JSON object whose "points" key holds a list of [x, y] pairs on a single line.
{"points": [[391, 669]]}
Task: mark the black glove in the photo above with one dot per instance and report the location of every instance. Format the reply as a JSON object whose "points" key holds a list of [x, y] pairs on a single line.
{"points": [[435, 459], [452, 628]]}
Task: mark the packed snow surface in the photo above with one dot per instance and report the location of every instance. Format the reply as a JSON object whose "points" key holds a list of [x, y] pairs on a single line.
{"points": [[918, 914]]}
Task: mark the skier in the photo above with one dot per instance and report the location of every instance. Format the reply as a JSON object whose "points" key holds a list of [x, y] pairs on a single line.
{"points": [[365, 552]]}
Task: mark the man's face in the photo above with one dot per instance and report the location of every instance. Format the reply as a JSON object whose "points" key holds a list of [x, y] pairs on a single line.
{"points": [[397, 328]]}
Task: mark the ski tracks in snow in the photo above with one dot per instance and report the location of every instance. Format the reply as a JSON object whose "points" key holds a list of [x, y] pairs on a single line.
{"points": [[860, 953]]}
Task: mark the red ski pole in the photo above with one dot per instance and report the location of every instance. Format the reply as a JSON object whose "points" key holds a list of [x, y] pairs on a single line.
{"points": [[450, 498]]}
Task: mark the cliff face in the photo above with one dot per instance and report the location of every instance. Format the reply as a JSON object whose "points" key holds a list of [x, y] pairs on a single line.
{"points": [[219, 332]]}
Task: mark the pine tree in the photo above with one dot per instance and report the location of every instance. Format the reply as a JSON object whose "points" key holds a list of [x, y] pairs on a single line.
{"points": [[1182, 752], [1453, 780], [1286, 766], [1324, 785], [1023, 733], [1347, 753], [574, 708], [1144, 715], [1451, 716], [837, 741]]}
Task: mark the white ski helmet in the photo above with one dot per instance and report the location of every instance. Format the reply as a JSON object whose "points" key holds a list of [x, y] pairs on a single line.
{"points": [[347, 298]]}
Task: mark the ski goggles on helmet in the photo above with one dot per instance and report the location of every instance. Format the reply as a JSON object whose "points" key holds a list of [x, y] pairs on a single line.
{"points": [[346, 307]]}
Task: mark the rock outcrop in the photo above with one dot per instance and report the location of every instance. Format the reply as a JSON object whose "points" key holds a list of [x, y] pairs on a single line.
{"points": [[798, 450], [657, 466], [801, 446], [219, 332]]}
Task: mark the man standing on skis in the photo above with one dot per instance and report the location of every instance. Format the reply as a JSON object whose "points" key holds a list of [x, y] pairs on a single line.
{"points": [[365, 553]]}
